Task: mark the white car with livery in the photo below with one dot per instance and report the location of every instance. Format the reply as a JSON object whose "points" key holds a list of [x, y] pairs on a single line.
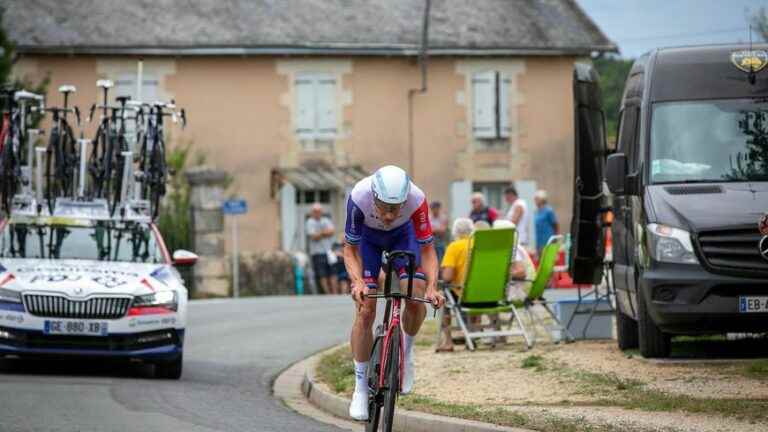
{"points": [[94, 287]]}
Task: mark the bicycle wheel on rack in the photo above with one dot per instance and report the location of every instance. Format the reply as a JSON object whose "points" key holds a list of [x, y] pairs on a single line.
{"points": [[117, 185], [374, 406], [9, 183], [70, 162], [51, 171], [157, 180], [391, 382]]}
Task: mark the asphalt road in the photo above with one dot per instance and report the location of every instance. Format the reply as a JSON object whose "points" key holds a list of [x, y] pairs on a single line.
{"points": [[234, 349]]}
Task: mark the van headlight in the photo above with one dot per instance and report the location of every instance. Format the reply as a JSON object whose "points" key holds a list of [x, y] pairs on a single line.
{"points": [[671, 245], [11, 296], [161, 299]]}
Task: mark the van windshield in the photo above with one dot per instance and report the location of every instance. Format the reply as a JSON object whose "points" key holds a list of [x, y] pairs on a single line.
{"points": [[709, 141]]}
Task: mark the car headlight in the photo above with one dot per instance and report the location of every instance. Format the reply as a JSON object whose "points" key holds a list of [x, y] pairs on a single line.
{"points": [[11, 296], [163, 299], [671, 245]]}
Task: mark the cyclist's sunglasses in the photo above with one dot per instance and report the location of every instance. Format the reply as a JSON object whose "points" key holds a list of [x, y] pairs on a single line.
{"points": [[387, 208]]}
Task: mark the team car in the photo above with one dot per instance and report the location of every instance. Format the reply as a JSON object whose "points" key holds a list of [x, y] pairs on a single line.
{"points": [[79, 284]]}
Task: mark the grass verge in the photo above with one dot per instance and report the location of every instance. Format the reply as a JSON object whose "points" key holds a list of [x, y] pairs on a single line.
{"points": [[611, 390], [335, 369]]}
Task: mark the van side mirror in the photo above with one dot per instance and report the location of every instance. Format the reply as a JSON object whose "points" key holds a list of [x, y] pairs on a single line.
{"points": [[616, 173]]}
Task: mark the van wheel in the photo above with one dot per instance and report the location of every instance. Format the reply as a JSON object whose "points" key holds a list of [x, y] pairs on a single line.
{"points": [[653, 342], [169, 370], [626, 331]]}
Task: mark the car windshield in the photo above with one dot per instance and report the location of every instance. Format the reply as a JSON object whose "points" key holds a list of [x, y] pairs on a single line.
{"points": [[100, 241], [710, 141]]}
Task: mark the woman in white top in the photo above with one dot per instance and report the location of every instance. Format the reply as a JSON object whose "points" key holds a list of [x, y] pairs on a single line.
{"points": [[518, 214]]}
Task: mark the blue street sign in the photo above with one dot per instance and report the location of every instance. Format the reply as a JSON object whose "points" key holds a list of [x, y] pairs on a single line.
{"points": [[235, 207]]}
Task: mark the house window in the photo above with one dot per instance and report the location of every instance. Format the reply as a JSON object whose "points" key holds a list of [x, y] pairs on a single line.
{"points": [[313, 196], [494, 193], [125, 85], [316, 114], [490, 106]]}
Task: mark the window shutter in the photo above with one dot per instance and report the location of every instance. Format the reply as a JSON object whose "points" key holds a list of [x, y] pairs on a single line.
{"points": [[484, 104], [149, 89], [125, 85], [504, 127], [304, 87], [326, 107]]}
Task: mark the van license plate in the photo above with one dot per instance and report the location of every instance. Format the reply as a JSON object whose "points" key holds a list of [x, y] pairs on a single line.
{"points": [[753, 304], [75, 327]]}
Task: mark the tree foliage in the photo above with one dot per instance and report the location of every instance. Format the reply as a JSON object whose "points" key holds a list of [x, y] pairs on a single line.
{"points": [[613, 74], [759, 21], [7, 59]]}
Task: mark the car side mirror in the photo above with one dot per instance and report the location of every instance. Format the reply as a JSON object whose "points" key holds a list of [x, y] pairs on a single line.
{"points": [[616, 173], [184, 258]]}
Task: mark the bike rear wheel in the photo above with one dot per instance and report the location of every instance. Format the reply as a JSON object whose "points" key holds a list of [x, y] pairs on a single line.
{"points": [[392, 382]]}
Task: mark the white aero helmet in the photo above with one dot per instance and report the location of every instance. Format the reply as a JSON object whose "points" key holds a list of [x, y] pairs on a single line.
{"points": [[391, 185]]}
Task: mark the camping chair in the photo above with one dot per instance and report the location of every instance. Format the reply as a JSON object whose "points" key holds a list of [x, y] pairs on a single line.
{"points": [[539, 284], [485, 288]]}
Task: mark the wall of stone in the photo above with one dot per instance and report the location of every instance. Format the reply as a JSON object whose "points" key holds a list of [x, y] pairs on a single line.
{"points": [[266, 273]]}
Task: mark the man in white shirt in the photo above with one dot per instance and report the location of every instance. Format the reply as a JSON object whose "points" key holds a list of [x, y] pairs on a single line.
{"points": [[518, 214], [320, 230]]}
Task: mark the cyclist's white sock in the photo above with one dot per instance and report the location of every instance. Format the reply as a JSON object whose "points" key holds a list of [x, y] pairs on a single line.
{"points": [[408, 347], [361, 370]]}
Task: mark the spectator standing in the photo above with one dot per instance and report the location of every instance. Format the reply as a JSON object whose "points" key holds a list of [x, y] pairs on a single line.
{"points": [[452, 270], [340, 270], [518, 215], [439, 222], [320, 230], [544, 220], [481, 211]]}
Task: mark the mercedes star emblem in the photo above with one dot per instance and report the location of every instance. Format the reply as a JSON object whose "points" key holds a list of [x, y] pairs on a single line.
{"points": [[763, 247], [78, 291]]}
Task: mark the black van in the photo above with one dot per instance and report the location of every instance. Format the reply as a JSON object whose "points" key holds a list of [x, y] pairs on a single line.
{"points": [[689, 186]]}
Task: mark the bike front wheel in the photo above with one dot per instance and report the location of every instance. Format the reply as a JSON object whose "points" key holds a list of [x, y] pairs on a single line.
{"points": [[391, 381]]}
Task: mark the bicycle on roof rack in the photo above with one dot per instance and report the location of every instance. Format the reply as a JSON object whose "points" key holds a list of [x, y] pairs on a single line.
{"points": [[15, 151], [153, 169], [106, 163], [385, 374], [61, 155]]}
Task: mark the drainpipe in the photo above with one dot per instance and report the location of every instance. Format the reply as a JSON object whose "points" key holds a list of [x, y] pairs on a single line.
{"points": [[423, 58]]}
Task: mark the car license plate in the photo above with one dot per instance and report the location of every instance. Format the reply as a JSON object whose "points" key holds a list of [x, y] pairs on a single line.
{"points": [[75, 327], [753, 304]]}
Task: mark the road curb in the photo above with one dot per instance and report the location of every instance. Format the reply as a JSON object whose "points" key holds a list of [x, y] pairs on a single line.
{"points": [[410, 421]]}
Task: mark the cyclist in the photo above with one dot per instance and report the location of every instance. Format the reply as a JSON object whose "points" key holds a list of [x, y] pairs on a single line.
{"points": [[386, 212]]}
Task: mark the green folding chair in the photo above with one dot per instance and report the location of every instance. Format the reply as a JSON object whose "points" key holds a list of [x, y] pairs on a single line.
{"points": [[484, 289], [535, 296]]}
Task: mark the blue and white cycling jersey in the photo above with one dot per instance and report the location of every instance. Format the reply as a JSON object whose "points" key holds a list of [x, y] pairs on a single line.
{"points": [[410, 230]]}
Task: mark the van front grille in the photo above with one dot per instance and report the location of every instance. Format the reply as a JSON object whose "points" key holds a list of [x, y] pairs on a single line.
{"points": [[733, 252]]}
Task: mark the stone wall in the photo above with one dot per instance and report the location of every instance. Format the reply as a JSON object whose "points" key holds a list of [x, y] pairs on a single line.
{"points": [[266, 273]]}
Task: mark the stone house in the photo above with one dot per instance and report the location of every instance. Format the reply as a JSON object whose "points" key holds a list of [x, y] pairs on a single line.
{"points": [[297, 99]]}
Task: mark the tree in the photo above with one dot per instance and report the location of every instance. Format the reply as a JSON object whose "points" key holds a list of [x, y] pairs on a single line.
{"points": [[8, 58], [613, 74], [759, 21]]}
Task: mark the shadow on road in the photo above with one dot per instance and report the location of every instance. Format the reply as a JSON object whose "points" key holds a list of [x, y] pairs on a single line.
{"points": [[719, 347], [80, 367]]}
